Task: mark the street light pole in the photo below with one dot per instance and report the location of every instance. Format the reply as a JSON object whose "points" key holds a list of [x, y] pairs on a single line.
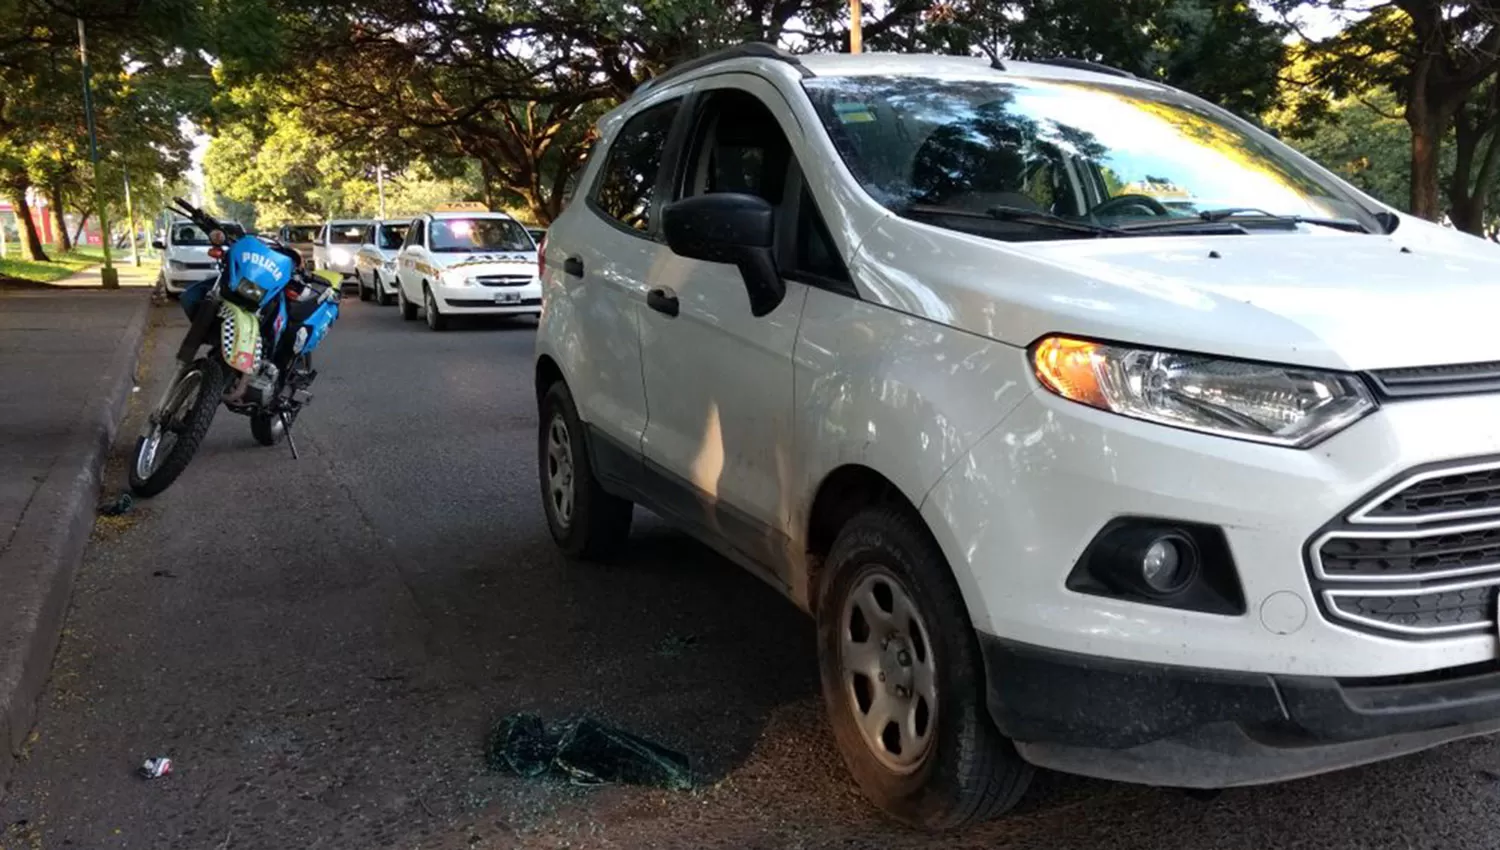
{"points": [[380, 186], [109, 275], [135, 251]]}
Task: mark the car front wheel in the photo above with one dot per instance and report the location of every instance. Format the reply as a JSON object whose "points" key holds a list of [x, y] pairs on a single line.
{"points": [[903, 679], [408, 309]]}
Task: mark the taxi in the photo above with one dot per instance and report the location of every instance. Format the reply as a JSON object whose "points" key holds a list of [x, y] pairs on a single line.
{"points": [[463, 259]]}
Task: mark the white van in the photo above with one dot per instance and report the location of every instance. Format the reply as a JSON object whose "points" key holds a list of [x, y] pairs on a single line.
{"points": [[1097, 429]]}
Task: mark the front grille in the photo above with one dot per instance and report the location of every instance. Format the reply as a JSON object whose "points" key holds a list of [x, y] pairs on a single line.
{"points": [[1420, 558], [503, 280], [1460, 379], [200, 266]]}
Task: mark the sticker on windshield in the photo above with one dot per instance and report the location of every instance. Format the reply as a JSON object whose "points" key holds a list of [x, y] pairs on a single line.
{"points": [[853, 113]]}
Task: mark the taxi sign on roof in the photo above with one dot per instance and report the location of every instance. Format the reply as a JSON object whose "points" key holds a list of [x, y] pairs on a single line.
{"points": [[461, 206]]}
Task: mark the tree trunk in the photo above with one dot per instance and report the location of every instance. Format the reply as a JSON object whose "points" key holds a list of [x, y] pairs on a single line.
{"points": [[83, 219], [1426, 138], [55, 198], [31, 241]]}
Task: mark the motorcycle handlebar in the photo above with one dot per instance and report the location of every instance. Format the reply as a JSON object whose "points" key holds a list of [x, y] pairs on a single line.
{"points": [[204, 220]]}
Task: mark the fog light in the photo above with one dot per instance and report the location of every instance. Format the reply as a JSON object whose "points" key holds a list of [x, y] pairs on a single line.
{"points": [[1166, 566]]}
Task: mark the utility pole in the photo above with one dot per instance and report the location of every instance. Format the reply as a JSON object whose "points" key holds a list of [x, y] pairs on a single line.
{"points": [[856, 26], [380, 185], [109, 275], [135, 252]]}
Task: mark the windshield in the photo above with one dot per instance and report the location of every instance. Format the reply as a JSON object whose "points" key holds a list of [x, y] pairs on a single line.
{"points": [[301, 232], [347, 234], [478, 234], [184, 233], [391, 235], [1108, 155]]}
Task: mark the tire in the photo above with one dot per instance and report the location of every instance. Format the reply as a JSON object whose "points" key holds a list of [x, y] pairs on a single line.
{"points": [[364, 294], [963, 771], [585, 521], [267, 429], [436, 321], [382, 297], [408, 309], [191, 425]]}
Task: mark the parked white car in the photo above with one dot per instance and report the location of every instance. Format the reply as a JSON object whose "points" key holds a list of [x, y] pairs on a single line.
{"points": [[1097, 429], [467, 263], [185, 258], [375, 262], [337, 244]]}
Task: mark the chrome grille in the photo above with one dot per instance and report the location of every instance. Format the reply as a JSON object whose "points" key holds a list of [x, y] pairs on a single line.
{"points": [[1420, 558], [503, 280]]}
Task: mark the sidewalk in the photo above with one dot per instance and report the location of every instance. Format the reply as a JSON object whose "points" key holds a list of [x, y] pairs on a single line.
{"points": [[67, 366], [130, 276]]}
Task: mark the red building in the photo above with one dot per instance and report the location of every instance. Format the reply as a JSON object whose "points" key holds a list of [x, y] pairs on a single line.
{"points": [[46, 225]]}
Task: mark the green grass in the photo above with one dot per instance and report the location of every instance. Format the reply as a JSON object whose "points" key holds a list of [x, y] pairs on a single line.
{"points": [[11, 265]]}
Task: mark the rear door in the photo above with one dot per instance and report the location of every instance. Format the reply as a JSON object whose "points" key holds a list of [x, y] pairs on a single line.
{"points": [[601, 257]]}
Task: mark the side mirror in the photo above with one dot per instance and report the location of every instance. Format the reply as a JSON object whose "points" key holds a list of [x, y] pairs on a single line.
{"points": [[158, 245], [730, 228]]}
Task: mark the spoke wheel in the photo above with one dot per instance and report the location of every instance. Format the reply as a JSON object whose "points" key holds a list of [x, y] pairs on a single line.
{"points": [[165, 427], [889, 670]]}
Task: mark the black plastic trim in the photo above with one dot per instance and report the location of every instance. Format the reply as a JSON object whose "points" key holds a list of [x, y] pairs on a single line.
{"points": [[1435, 381], [1085, 65], [1048, 695], [1215, 589]]}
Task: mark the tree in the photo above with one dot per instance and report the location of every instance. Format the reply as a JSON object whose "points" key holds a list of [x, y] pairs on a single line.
{"points": [[1439, 57]]}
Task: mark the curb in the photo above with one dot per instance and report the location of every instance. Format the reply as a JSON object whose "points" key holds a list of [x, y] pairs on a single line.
{"points": [[37, 570]]}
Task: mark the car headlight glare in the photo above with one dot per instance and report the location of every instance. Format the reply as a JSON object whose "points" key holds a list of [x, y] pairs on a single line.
{"points": [[457, 277], [338, 255], [1281, 405]]}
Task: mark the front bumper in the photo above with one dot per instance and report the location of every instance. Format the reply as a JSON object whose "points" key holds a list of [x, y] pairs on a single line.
{"points": [[180, 279], [1014, 515], [482, 300], [1195, 728]]}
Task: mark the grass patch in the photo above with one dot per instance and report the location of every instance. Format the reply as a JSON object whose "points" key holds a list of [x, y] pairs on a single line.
{"points": [[60, 267]]}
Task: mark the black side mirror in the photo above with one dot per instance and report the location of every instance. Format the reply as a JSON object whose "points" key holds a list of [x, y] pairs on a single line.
{"points": [[158, 245], [730, 228]]}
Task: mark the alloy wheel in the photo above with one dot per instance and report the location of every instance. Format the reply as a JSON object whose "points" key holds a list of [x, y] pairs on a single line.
{"points": [[560, 471]]}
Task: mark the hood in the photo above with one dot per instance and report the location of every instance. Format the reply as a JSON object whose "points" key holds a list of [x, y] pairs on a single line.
{"points": [[1317, 297], [500, 262]]}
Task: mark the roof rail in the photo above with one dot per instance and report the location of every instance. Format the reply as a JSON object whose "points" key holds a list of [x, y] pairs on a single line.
{"points": [[1085, 65], [753, 49]]}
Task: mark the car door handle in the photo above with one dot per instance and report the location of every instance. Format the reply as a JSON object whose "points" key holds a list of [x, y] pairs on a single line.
{"points": [[573, 267], [662, 300]]}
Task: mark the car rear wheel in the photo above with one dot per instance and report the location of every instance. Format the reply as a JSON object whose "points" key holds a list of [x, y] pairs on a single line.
{"points": [[903, 679], [585, 521]]}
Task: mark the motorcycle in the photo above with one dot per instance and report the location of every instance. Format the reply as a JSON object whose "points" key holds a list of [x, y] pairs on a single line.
{"points": [[249, 348]]}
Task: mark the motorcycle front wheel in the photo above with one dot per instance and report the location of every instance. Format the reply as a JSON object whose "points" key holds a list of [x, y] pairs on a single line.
{"points": [[174, 432]]}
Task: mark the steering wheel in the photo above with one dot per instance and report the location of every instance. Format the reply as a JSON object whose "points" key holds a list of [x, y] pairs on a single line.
{"points": [[1120, 203]]}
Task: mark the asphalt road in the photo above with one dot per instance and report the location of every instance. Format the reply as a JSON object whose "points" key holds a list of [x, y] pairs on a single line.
{"points": [[322, 645]]}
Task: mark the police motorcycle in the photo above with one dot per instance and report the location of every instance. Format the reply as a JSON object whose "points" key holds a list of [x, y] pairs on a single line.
{"points": [[255, 325]]}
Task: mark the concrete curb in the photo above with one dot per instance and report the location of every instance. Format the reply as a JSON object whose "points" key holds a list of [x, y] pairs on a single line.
{"points": [[37, 570]]}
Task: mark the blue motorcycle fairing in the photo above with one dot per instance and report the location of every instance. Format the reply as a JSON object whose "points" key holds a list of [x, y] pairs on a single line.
{"points": [[318, 323], [253, 260]]}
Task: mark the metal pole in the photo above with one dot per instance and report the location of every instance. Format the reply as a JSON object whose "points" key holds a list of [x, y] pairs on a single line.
{"points": [[380, 184], [108, 274], [135, 251], [856, 26]]}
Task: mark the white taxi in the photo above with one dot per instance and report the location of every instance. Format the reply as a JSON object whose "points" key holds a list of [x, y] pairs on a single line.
{"points": [[465, 260]]}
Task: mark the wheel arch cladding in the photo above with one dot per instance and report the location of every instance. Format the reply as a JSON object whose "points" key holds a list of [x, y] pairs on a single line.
{"points": [[842, 495], [547, 374]]}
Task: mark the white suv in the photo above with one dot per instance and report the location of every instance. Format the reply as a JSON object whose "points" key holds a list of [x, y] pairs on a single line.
{"points": [[1097, 429]]}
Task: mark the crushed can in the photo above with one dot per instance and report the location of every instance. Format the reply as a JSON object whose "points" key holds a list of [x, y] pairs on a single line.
{"points": [[156, 768]]}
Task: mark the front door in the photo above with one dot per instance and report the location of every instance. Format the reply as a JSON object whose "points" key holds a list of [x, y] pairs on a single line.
{"points": [[719, 380]]}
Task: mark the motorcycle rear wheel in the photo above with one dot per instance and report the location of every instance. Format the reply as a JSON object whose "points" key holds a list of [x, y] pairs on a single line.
{"points": [[179, 427]]}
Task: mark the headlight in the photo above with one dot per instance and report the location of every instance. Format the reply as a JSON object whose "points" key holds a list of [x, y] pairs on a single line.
{"points": [[388, 265], [338, 255], [176, 265], [458, 277], [250, 291], [1281, 405]]}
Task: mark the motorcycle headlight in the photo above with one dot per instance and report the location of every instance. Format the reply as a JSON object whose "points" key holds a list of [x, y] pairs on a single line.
{"points": [[250, 291], [1281, 405]]}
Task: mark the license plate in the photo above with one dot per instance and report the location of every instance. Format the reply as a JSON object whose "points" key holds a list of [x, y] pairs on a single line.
{"points": [[507, 298]]}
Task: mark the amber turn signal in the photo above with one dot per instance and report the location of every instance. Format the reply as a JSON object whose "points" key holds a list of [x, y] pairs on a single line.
{"points": [[1068, 367]]}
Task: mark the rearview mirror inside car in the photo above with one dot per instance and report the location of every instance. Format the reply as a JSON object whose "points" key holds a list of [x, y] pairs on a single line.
{"points": [[730, 228]]}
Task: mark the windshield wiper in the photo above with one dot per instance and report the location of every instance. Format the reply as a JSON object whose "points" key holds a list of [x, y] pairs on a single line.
{"points": [[1020, 215], [1243, 215]]}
